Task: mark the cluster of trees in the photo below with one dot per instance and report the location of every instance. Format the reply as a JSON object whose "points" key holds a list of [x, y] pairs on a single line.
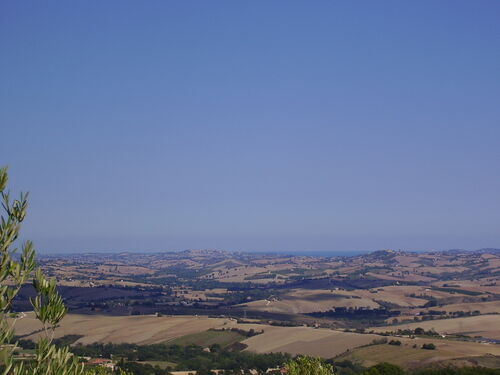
{"points": [[284, 323], [437, 314], [59, 342], [459, 291], [142, 368], [356, 313], [460, 313], [190, 357], [236, 297], [419, 331], [250, 333], [384, 368], [302, 365]]}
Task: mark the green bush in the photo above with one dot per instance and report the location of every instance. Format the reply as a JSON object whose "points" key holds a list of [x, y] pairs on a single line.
{"points": [[430, 346], [384, 368], [308, 366]]}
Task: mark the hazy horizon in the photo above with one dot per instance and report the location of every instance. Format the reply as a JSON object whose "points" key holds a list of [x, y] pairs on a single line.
{"points": [[262, 126], [308, 252]]}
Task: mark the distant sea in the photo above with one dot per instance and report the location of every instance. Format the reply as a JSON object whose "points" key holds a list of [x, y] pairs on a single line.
{"points": [[314, 253], [311, 253]]}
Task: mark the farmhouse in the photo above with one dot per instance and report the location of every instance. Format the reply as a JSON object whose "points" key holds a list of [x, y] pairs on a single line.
{"points": [[104, 362]]}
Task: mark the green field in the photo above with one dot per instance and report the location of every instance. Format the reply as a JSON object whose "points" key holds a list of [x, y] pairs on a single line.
{"points": [[210, 337], [405, 356]]}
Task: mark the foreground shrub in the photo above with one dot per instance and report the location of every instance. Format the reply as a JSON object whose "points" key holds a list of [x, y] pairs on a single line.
{"points": [[308, 366], [384, 368]]}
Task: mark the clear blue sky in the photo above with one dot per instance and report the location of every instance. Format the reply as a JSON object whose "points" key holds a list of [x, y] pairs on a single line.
{"points": [[253, 125]]}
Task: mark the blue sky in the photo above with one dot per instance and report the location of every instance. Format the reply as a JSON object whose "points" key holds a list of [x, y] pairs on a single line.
{"points": [[258, 125]]}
